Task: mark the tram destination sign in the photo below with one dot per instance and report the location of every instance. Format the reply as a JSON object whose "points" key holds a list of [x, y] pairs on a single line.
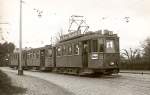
{"points": [[70, 35]]}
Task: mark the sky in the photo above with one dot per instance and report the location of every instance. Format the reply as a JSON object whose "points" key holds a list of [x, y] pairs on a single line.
{"points": [[37, 31]]}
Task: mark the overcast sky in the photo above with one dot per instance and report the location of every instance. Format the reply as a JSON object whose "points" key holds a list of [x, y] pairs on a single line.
{"points": [[55, 17]]}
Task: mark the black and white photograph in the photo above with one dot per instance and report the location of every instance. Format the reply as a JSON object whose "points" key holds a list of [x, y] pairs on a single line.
{"points": [[74, 47]]}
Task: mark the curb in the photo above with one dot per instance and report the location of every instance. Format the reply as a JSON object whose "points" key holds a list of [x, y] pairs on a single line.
{"points": [[134, 72]]}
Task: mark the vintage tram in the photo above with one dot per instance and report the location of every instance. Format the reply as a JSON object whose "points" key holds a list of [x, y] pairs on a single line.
{"points": [[92, 52], [75, 53], [78, 52]]}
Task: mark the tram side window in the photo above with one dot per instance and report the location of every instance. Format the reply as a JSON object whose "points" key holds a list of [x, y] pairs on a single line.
{"points": [[58, 51], [23, 55], [64, 50], [101, 45], [49, 52], [76, 49], [70, 49], [37, 55], [101, 48], [95, 46], [29, 55], [15, 56], [33, 54]]}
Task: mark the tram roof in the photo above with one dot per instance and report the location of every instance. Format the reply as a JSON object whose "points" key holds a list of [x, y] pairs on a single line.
{"points": [[88, 35]]}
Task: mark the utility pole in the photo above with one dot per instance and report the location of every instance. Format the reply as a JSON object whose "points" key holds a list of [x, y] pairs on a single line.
{"points": [[20, 69]]}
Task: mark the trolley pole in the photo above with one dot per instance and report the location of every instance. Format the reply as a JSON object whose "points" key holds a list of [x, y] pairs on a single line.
{"points": [[20, 69]]}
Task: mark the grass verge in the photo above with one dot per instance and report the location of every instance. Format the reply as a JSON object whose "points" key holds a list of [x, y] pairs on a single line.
{"points": [[6, 88]]}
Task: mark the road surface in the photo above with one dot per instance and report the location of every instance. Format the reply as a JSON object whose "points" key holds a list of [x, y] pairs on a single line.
{"points": [[121, 84]]}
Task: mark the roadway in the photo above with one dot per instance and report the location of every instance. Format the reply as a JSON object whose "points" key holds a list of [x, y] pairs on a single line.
{"points": [[118, 84]]}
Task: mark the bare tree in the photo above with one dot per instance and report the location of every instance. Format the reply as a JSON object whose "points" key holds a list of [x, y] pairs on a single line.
{"points": [[146, 50], [130, 54], [58, 36]]}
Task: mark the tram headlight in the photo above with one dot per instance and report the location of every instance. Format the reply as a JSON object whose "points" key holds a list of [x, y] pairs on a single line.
{"points": [[94, 56], [112, 63]]}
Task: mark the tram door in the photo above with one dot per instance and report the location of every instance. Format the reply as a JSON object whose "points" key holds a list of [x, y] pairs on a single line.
{"points": [[42, 58], [85, 54]]}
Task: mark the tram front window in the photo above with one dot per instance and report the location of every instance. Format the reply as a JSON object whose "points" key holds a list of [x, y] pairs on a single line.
{"points": [[110, 46]]}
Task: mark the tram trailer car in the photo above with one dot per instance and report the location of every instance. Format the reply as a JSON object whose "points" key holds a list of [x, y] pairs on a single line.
{"points": [[76, 53], [37, 58], [14, 59]]}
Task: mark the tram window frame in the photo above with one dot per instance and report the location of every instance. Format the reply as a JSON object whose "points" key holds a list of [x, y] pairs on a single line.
{"points": [[101, 45], [110, 44], [49, 52], [89, 46], [33, 54], [95, 48], [76, 50], [23, 55], [28, 55], [117, 45], [58, 52], [15, 56], [64, 49], [69, 49], [37, 54]]}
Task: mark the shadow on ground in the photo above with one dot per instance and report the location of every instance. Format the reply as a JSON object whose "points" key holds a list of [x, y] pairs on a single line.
{"points": [[113, 76], [6, 88]]}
